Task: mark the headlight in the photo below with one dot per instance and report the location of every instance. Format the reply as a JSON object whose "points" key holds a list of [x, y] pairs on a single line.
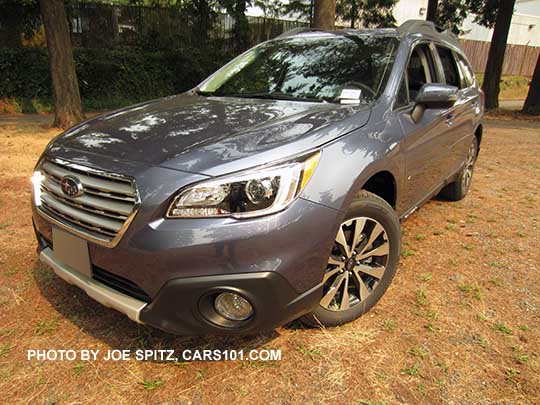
{"points": [[246, 194]]}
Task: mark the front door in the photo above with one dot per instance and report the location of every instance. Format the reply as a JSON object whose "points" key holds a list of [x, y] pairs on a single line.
{"points": [[425, 141]]}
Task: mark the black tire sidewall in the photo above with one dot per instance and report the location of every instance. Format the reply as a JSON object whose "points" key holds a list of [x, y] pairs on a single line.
{"points": [[371, 206]]}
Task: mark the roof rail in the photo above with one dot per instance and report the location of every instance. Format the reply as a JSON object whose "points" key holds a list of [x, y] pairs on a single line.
{"points": [[427, 27]]}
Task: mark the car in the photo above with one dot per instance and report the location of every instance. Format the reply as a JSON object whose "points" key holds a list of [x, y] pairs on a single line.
{"points": [[272, 191]]}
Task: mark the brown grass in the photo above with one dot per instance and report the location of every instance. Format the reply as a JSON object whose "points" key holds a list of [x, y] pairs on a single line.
{"points": [[460, 323]]}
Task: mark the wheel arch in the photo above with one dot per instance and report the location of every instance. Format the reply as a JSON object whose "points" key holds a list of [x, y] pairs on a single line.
{"points": [[478, 132], [383, 184]]}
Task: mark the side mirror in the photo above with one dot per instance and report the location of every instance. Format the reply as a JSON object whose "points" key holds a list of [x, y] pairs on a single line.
{"points": [[433, 95]]}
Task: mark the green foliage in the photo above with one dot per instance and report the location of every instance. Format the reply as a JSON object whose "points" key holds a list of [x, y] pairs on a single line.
{"points": [[452, 13], [151, 385], [107, 78], [24, 73], [367, 13], [301, 9], [237, 10], [485, 11], [18, 19], [270, 8]]}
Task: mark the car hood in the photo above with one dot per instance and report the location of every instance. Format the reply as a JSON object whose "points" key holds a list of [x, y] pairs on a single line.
{"points": [[212, 135]]}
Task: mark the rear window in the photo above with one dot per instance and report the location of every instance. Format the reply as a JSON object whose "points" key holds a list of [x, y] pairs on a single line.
{"points": [[466, 71], [451, 73]]}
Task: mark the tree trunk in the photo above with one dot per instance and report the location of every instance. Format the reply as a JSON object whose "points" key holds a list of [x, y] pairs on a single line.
{"points": [[431, 14], [494, 66], [325, 14], [354, 13], [237, 9], [532, 102], [67, 99]]}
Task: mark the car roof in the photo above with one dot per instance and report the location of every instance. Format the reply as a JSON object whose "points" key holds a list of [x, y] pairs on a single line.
{"points": [[410, 28]]}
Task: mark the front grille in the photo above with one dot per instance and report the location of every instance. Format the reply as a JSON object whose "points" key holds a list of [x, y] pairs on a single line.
{"points": [[103, 210], [120, 284]]}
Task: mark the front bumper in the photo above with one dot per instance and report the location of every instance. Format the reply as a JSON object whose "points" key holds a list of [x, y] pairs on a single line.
{"points": [[185, 306]]}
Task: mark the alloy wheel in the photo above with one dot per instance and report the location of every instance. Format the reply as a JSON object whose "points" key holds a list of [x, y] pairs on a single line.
{"points": [[356, 265], [469, 166]]}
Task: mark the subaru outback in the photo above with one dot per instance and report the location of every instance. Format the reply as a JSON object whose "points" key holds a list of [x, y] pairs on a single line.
{"points": [[272, 191]]}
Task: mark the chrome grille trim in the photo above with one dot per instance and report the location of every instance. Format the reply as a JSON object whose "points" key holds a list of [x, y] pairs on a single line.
{"points": [[101, 214], [120, 187], [97, 204]]}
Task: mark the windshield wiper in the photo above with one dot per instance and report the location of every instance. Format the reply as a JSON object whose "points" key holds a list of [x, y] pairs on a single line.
{"points": [[276, 95]]}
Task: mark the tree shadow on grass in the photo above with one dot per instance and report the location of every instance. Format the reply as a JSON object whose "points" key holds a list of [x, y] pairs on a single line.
{"points": [[118, 331]]}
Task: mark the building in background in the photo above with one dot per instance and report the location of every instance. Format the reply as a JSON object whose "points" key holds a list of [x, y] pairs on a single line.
{"points": [[525, 28]]}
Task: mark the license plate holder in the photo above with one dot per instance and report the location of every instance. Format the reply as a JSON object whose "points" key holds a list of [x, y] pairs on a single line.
{"points": [[72, 251]]}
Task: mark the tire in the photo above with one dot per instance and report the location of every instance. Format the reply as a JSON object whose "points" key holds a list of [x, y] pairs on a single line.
{"points": [[458, 189], [378, 231]]}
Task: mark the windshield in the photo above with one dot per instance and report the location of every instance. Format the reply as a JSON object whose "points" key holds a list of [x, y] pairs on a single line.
{"points": [[311, 68]]}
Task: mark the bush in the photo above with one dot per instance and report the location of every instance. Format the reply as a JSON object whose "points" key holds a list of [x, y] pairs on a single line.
{"points": [[107, 78], [24, 73]]}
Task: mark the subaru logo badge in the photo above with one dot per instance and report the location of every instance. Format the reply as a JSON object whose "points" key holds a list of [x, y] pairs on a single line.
{"points": [[71, 186]]}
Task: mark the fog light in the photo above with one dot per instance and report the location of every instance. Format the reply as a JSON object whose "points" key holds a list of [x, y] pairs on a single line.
{"points": [[233, 307]]}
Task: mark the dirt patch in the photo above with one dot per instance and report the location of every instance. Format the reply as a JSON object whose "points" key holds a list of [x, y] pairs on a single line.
{"points": [[460, 324], [517, 119]]}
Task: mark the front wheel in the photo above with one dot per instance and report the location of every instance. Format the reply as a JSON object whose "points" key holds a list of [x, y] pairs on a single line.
{"points": [[362, 262]]}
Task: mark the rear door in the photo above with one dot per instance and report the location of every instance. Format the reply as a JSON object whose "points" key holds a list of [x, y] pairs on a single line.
{"points": [[459, 118], [470, 95]]}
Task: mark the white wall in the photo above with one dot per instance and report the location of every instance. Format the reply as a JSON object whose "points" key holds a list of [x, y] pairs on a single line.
{"points": [[525, 28], [410, 10], [528, 7]]}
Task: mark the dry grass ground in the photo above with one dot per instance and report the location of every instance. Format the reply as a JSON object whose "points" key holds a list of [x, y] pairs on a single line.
{"points": [[460, 324]]}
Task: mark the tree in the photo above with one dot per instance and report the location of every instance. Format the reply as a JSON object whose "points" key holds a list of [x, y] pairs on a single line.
{"points": [[367, 13], [532, 102], [300, 10], [19, 20], [451, 14], [201, 16], [270, 8], [237, 10], [324, 15], [494, 66], [67, 99], [431, 14]]}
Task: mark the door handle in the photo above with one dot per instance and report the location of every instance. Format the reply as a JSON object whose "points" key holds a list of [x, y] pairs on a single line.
{"points": [[449, 120]]}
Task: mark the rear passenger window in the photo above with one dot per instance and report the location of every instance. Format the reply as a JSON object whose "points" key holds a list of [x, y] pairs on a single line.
{"points": [[466, 71], [449, 66]]}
